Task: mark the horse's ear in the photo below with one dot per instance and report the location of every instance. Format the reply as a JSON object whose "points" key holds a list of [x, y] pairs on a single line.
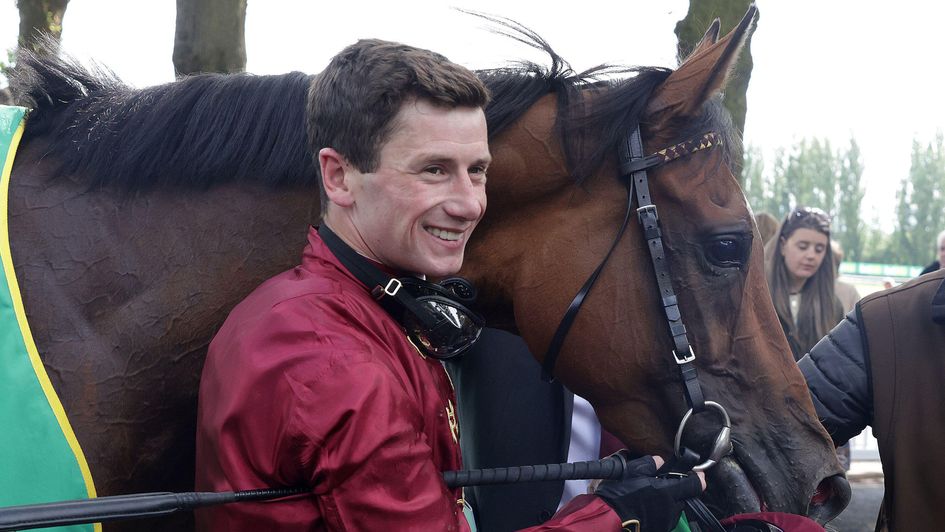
{"points": [[711, 37], [703, 73]]}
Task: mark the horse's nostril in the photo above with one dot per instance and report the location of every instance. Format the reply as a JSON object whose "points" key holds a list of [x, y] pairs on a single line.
{"points": [[830, 498]]}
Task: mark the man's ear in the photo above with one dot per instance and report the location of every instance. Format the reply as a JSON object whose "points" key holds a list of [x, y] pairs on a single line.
{"points": [[336, 176]]}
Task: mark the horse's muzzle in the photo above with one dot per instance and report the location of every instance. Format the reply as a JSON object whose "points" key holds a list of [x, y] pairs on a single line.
{"points": [[740, 496], [830, 498]]}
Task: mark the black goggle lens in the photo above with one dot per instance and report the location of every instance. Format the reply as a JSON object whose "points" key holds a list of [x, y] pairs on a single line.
{"points": [[456, 330]]}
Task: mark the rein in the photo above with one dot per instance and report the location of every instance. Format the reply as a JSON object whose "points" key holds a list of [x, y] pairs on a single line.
{"points": [[634, 165]]}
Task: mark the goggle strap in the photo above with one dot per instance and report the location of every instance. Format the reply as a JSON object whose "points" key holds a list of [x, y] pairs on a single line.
{"points": [[381, 285]]}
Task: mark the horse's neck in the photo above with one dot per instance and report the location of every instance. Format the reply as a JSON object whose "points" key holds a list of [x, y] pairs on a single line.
{"points": [[158, 252]]}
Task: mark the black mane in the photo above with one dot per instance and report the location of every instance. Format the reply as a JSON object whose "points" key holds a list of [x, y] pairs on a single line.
{"points": [[210, 129], [199, 131]]}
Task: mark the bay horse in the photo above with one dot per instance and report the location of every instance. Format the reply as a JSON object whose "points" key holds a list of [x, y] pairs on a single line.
{"points": [[139, 218]]}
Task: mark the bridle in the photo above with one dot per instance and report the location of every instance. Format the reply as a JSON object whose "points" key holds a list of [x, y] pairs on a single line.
{"points": [[634, 165]]}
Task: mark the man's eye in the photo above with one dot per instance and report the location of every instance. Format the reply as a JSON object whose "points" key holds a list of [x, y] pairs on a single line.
{"points": [[435, 170], [478, 173]]}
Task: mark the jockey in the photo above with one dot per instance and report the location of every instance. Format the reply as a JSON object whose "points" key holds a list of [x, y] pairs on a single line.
{"points": [[329, 375]]}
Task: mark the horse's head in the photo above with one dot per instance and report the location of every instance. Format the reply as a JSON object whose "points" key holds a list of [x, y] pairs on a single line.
{"points": [[556, 203]]}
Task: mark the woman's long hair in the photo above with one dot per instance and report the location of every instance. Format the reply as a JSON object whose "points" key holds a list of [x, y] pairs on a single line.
{"points": [[819, 310]]}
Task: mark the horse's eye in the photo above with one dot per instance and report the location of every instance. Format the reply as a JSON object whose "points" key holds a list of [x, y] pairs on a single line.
{"points": [[727, 251]]}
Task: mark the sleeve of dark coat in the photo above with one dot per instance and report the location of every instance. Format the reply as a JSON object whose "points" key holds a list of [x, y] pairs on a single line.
{"points": [[838, 377]]}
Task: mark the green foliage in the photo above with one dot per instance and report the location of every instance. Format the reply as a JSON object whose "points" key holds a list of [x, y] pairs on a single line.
{"points": [[689, 32], [754, 184], [806, 175], [878, 246], [811, 173], [781, 198], [6, 66], [848, 225], [920, 203]]}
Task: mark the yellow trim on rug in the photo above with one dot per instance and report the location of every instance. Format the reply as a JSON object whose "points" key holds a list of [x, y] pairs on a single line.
{"points": [[7, 257]]}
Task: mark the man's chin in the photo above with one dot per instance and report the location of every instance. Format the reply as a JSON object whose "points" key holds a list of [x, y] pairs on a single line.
{"points": [[440, 269]]}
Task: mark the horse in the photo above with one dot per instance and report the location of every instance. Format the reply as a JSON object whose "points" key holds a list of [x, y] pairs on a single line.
{"points": [[139, 218]]}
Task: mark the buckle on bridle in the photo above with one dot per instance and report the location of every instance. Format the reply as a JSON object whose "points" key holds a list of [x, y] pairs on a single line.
{"points": [[648, 210], [684, 359]]}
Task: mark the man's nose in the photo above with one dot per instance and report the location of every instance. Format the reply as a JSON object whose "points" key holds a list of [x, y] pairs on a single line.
{"points": [[468, 199]]}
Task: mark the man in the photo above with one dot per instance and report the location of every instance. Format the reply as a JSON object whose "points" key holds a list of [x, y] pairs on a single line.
{"points": [[940, 263], [883, 366], [312, 381]]}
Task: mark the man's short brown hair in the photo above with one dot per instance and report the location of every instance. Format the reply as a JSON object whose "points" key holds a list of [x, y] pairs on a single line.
{"points": [[353, 102]]}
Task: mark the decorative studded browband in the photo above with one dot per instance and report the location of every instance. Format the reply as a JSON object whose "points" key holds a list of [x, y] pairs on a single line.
{"points": [[709, 140]]}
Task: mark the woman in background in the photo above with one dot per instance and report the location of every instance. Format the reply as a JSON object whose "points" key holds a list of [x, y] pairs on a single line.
{"points": [[800, 272]]}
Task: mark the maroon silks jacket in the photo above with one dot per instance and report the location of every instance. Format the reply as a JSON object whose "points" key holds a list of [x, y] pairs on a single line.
{"points": [[310, 383]]}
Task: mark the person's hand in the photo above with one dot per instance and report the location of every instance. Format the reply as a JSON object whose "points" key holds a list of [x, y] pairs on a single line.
{"points": [[654, 503]]}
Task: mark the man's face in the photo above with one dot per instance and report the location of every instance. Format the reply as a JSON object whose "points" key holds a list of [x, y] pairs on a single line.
{"points": [[941, 253], [417, 210]]}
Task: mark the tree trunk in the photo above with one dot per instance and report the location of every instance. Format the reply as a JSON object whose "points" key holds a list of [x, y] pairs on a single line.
{"points": [[38, 17], [690, 30], [210, 36]]}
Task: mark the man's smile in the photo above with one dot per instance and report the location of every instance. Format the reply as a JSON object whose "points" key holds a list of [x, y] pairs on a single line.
{"points": [[444, 234]]}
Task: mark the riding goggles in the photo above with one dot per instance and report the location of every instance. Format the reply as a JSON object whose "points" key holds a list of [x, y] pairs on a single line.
{"points": [[437, 324], [434, 316]]}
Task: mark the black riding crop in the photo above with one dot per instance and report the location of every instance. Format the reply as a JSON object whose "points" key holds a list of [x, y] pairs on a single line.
{"points": [[135, 506]]}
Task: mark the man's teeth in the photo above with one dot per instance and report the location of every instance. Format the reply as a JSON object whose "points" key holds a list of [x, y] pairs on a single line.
{"points": [[445, 235]]}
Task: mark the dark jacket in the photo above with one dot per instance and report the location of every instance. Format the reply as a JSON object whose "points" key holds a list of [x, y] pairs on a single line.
{"points": [[509, 416], [884, 366], [935, 266], [838, 377]]}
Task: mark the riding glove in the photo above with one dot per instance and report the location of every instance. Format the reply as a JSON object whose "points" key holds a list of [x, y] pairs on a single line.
{"points": [[654, 503]]}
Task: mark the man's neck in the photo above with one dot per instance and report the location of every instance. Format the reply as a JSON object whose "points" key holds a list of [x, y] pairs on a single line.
{"points": [[352, 238], [350, 235]]}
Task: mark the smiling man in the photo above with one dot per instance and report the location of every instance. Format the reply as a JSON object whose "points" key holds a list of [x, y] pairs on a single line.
{"points": [[310, 381], [328, 375]]}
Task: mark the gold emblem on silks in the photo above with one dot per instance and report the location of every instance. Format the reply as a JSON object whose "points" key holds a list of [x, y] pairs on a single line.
{"points": [[451, 418]]}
